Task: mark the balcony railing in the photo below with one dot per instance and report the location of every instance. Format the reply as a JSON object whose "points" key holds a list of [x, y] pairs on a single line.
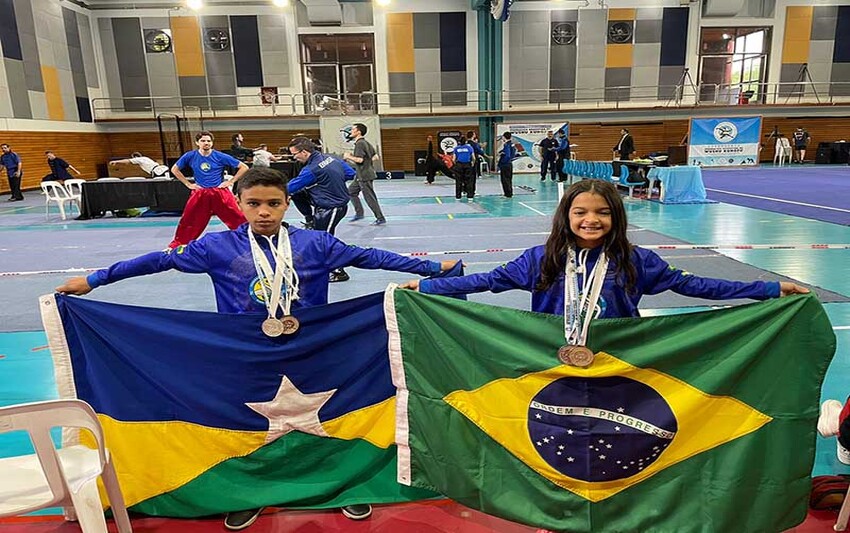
{"points": [[446, 102]]}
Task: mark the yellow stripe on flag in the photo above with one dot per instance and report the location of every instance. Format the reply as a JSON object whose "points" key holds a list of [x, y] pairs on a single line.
{"points": [[375, 424], [152, 458]]}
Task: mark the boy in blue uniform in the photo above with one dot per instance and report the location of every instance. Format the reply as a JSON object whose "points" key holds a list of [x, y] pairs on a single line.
{"points": [[226, 258], [210, 193]]}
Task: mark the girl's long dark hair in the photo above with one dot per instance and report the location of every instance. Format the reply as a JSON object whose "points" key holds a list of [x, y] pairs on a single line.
{"points": [[616, 244]]}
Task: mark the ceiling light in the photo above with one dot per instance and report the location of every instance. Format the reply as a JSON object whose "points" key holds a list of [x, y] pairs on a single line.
{"points": [[382, 2], [194, 4], [280, 3], [726, 36]]}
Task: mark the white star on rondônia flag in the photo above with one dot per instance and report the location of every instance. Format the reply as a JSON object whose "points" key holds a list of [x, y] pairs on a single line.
{"points": [[292, 410]]}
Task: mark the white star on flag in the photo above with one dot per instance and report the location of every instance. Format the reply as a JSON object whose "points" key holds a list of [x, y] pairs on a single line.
{"points": [[292, 410]]}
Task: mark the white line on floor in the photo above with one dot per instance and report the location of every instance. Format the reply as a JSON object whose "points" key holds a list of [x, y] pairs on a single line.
{"points": [[535, 210], [841, 327], [779, 200]]}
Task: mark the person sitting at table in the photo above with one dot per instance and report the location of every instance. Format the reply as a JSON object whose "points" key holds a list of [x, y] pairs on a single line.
{"points": [[148, 165], [626, 147], [58, 168]]}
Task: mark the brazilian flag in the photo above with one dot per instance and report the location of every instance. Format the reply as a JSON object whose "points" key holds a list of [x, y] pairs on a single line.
{"points": [[203, 414], [695, 422]]}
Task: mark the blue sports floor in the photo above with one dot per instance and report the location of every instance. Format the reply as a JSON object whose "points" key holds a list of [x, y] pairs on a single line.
{"points": [[37, 253]]}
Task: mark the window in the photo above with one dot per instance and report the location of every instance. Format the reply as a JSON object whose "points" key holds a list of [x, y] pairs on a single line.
{"points": [[339, 70], [733, 64]]}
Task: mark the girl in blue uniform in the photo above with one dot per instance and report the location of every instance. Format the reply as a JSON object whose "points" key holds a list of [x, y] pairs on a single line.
{"points": [[591, 218]]}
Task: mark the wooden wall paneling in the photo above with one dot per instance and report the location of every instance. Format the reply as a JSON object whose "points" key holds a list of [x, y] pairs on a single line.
{"points": [[84, 151], [398, 144]]}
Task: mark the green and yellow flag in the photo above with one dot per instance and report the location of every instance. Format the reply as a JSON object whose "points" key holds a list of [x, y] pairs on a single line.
{"points": [[695, 422]]}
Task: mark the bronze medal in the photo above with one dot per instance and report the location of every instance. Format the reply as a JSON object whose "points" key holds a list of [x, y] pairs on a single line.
{"points": [[273, 327], [580, 356], [290, 324]]}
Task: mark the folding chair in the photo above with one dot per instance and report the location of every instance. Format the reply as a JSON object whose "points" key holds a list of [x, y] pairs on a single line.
{"points": [[66, 477], [55, 192]]}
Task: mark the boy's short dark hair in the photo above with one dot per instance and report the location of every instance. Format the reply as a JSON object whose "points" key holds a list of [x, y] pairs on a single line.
{"points": [[202, 134], [361, 128], [507, 135], [303, 143], [462, 140], [234, 138], [265, 176], [470, 134], [49, 152]]}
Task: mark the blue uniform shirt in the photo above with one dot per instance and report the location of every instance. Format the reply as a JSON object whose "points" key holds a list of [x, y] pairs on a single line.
{"points": [[464, 153], [654, 276], [507, 154], [209, 170], [226, 258], [11, 161], [325, 176]]}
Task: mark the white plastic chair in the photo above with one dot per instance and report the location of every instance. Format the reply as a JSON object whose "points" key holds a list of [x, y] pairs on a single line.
{"points": [[136, 178], [108, 179], [75, 189], [782, 151], [66, 477], [55, 192]]}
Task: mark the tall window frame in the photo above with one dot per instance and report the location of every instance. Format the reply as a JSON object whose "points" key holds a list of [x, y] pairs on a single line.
{"points": [[733, 63]]}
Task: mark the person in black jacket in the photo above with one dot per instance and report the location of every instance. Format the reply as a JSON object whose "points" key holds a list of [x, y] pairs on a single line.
{"points": [[626, 147], [237, 150], [548, 156], [434, 163], [563, 154]]}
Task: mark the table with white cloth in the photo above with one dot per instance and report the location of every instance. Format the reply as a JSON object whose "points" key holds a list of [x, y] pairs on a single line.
{"points": [[679, 185]]}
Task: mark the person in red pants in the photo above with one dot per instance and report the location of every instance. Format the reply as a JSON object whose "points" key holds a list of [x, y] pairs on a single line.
{"points": [[211, 193]]}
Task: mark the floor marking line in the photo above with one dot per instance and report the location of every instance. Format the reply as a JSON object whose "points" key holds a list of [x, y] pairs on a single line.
{"points": [[780, 200], [535, 210]]}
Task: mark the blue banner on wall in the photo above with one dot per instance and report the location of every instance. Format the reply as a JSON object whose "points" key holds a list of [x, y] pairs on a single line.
{"points": [[724, 142]]}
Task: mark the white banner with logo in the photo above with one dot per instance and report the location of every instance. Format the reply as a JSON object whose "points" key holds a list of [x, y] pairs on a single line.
{"points": [[724, 142], [526, 138], [336, 134]]}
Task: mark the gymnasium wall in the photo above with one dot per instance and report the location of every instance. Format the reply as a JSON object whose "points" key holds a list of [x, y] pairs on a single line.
{"points": [[49, 70], [818, 36]]}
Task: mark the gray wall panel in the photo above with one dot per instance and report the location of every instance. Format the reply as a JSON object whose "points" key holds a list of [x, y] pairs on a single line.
{"points": [[825, 12], [453, 81], [110, 59], [162, 65], [592, 27], [18, 94], [564, 15], [648, 31], [823, 29], [38, 105], [668, 78], [426, 30], [645, 81], [402, 82], [649, 13], [427, 60], [647, 55]]}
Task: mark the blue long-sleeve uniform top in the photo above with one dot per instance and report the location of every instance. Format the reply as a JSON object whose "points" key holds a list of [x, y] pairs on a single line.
{"points": [[325, 176], [654, 275], [226, 258]]}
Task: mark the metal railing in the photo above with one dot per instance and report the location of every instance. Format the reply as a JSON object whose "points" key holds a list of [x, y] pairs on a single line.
{"points": [[577, 99]]}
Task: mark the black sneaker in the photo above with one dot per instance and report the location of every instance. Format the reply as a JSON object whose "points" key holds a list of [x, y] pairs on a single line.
{"points": [[338, 276], [241, 519], [357, 512]]}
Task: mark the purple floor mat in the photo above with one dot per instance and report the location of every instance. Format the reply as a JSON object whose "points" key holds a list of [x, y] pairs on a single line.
{"points": [[819, 192]]}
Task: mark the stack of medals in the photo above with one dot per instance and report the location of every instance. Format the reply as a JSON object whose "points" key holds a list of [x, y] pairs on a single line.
{"points": [[283, 268], [579, 308]]}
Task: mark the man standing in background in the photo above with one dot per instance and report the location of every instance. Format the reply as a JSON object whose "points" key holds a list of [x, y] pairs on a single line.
{"points": [[506, 164], [14, 169], [563, 154], [801, 141], [626, 147], [362, 158], [548, 156], [464, 158]]}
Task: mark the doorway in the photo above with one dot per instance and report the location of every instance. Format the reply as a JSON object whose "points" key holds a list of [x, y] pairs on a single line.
{"points": [[339, 72]]}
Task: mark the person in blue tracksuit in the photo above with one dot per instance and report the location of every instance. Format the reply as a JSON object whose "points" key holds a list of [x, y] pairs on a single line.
{"points": [[480, 155], [563, 154], [464, 169], [226, 258], [591, 218], [324, 176]]}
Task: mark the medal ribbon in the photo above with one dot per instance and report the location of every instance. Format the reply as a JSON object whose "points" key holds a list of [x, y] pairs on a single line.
{"points": [[283, 268], [580, 307]]}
